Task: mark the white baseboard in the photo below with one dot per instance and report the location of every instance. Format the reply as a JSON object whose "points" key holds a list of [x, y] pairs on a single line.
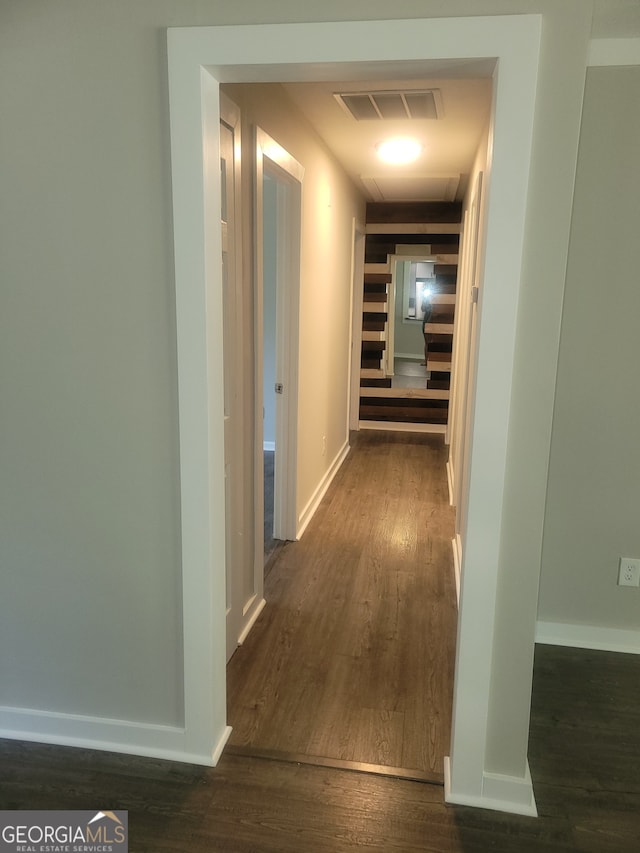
{"points": [[254, 610], [268, 445], [588, 637], [456, 545], [390, 426], [450, 481], [511, 794], [410, 356], [145, 739], [312, 505], [219, 747]]}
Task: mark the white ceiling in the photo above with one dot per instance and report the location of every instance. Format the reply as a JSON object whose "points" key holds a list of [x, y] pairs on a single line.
{"points": [[450, 142]]}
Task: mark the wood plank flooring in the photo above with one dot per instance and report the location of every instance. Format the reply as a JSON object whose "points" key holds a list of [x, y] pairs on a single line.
{"points": [[352, 659], [584, 748], [584, 745]]}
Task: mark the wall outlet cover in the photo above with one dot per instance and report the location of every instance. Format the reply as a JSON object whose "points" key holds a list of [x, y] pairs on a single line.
{"points": [[629, 572]]}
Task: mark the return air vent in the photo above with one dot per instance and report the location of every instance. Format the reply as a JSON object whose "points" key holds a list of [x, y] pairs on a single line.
{"points": [[376, 106]]}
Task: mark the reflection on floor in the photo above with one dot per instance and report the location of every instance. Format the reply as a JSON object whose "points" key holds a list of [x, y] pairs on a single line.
{"points": [[409, 373]]}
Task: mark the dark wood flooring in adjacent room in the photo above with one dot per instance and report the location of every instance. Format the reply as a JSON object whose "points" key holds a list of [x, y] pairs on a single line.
{"points": [[352, 659], [584, 748], [350, 694]]}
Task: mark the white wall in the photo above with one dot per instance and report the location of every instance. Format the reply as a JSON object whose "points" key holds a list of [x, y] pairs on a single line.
{"points": [[591, 516], [90, 600]]}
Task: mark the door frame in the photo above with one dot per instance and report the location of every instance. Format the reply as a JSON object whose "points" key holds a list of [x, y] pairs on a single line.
{"points": [[199, 60], [272, 159], [460, 424], [358, 240]]}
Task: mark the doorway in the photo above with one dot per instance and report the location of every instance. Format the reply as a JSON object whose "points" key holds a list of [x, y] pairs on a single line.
{"points": [[269, 378], [199, 60]]}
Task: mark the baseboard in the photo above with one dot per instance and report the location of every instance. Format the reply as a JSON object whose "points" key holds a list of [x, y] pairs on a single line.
{"points": [[148, 740], [219, 747], [312, 505], [391, 426], [588, 637], [255, 609], [511, 794], [409, 356], [450, 481], [268, 445], [456, 545]]}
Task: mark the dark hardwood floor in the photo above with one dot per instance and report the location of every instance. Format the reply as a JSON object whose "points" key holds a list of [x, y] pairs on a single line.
{"points": [[352, 659], [584, 748]]}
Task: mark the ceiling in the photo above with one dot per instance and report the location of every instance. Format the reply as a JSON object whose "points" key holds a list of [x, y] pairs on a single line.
{"points": [[450, 141]]}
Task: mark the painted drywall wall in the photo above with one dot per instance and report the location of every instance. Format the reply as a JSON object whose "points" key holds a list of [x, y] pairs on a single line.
{"points": [[329, 204], [90, 604], [591, 516], [563, 56]]}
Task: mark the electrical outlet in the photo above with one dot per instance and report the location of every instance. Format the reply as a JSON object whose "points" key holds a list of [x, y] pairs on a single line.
{"points": [[629, 574]]}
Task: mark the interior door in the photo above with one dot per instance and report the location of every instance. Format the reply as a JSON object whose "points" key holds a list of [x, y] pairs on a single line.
{"points": [[278, 215], [232, 382], [244, 581], [466, 367]]}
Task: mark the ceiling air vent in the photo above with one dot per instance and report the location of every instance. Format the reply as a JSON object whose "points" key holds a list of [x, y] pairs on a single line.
{"points": [[416, 104]]}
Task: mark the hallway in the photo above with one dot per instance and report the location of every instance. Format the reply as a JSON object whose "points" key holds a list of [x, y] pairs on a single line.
{"points": [[352, 659]]}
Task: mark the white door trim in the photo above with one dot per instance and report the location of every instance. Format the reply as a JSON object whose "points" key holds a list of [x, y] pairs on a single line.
{"points": [[358, 237], [201, 58]]}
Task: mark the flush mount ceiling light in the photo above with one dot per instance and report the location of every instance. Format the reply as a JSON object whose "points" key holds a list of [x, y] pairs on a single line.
{"points": [[401, 149]]}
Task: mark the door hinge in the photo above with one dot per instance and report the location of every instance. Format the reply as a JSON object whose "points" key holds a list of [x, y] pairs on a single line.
{"points": [[279, 388]]}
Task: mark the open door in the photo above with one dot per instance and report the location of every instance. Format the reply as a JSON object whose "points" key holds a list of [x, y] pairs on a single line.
{"points": [[244, 598], [277, 287]]}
